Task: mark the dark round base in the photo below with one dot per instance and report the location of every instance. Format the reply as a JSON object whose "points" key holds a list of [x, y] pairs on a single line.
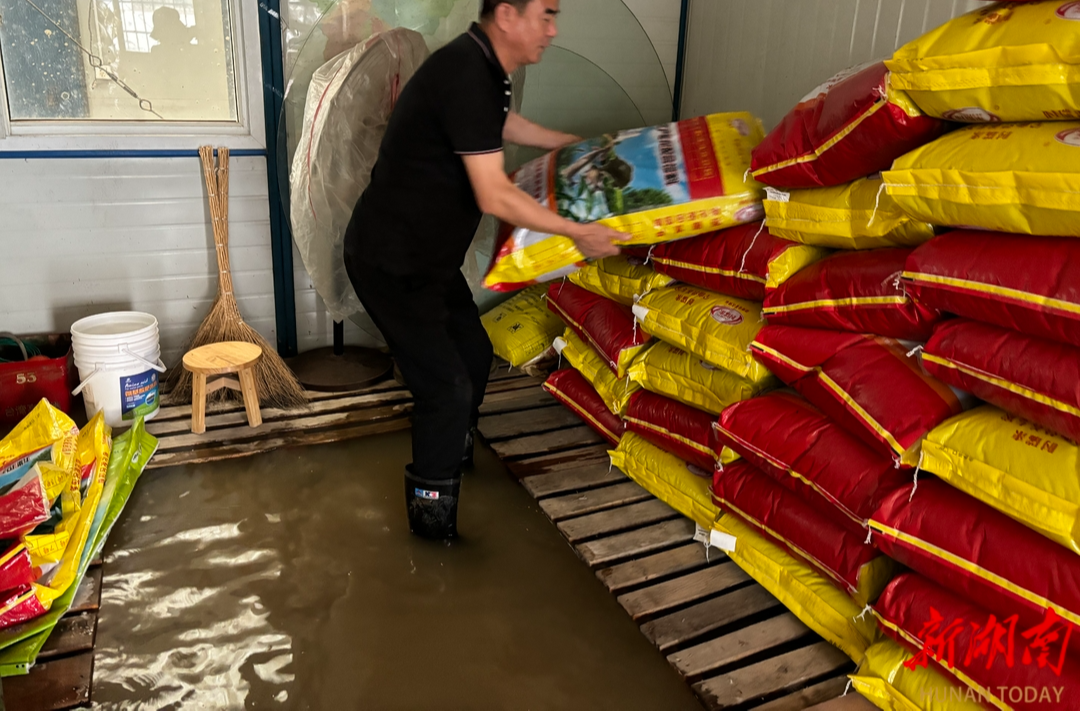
{"points": [[355, 368]]}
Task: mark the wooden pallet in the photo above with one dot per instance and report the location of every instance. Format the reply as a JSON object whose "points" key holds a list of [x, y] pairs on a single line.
{"points": [[61, 677], [727, 636]]}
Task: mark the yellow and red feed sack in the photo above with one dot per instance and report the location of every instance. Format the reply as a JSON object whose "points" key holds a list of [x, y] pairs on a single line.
{"points": [[674, 427], [672, 372], [570, 387], [604, 324]]}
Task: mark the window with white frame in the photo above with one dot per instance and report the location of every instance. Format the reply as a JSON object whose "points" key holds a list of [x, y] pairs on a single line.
{"points": [[118, 60]]}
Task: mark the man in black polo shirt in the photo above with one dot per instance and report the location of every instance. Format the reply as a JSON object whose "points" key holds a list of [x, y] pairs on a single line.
{"points": [[440, 166]]}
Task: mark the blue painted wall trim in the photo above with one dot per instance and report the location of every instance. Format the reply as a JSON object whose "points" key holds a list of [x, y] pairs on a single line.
{"points": [[680, 60], [47, 155], [273, 68]]}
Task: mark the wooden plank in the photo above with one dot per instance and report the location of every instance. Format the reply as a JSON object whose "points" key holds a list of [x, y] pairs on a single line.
{"points": [[560, 460], [288, 439], [88, 595], [848, 702], [615, 520], [698, 620], [57, 684], [527, 422], [633, 543], [738, 645], [771, 676], [515, 400], [659, 565], [502, 370], [586, 502], [74, 633], [550, 442], [183, 411], [814, 694], [682, 590], [587, 476], [504, 386]]}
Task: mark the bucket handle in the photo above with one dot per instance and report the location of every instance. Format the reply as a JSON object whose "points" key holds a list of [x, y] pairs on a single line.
{"points": [[159, 367]]}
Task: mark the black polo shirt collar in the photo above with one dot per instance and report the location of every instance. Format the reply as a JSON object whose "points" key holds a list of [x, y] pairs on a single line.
{"points": [[481, 38]]}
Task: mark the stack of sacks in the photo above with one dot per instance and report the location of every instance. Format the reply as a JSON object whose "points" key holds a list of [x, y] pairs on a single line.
{"points": [[655, 184], [624, 278], [887, 678], [522, 329]]}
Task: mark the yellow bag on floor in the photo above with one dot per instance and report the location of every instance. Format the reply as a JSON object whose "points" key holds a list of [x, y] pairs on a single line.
{"points": [[857, 215], [1026, 472], [674, 373], [614, 391], [809, 595], [885, 681], [666, 477], [1004, 62], [622, 278], [63, 485], [718, 329], [1020, 178], [46, 434], [522, 328]]}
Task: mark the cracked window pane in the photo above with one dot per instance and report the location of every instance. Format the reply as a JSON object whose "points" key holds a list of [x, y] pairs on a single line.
{"points": [[118, 60]]}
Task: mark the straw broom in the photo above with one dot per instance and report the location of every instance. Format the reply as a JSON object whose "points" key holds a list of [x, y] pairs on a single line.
{"points": [[276, 384]]}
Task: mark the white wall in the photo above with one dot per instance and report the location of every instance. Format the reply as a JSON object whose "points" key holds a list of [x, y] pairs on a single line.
{"points": [[83, 236], [763, 56]]}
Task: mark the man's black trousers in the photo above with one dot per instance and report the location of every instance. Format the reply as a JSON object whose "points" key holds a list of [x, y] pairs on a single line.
{"points": [[433, 329]]}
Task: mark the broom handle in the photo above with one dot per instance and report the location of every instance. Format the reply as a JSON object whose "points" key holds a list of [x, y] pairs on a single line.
{"points": [[217, 188]]}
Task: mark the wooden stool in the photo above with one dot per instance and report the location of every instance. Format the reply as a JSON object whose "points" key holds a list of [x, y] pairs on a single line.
{"points": [[223, 359]]}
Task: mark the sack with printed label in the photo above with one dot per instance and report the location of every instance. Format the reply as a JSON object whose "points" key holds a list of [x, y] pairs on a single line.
{"points": [[1027, 284], [1028, 376], [623, 278], [786, 437], [851, 126], [858, 215], [655, 184], [803, 528], [745, 261], [604, 324], [666, 477], [883, 680], [522, 328], [1010, 666], [674, 427], [1017, 62], [718, 329], [1021, 178], [45, 435], [972, 549], [813, 598], [672, 372], [614, 391], [1018, 468], [871, 386], [853, 291], [570, 387]]}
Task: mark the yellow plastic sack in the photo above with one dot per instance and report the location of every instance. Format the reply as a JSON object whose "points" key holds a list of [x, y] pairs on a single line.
{"points": [[614, 391], [63, 485], [1004, 62], [674, 373], [885, 681], [1039, 486], [718, 329], [622, 278], [1020, 178], [666, 477], [809, 595], [857, 215], [522, 328], [44, 427], [642, 182]]}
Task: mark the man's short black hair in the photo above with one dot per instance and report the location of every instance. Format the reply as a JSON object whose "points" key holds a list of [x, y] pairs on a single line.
{"points": [[487, 8]]}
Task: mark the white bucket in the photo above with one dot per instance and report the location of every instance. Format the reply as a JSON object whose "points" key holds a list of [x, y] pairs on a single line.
{"points": [[118, 358]]}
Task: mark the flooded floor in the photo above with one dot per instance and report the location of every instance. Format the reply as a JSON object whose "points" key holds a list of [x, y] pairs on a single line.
{"points": [[289, 580]]}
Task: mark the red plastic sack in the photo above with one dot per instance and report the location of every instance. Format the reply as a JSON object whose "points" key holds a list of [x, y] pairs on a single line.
{"points": [[978, 552], [871, 386], [1008, 665], [1027, 376], [853, 291], [16, 569], [849, 127], [787, 437], [797, 524], [744, 261], [604, 324], [23, 505], [1029, 284], [19, 605], [675, 428], [572, 389]]}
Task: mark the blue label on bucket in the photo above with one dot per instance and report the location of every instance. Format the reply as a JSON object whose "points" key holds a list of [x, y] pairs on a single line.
{"points": [[138, 394]]}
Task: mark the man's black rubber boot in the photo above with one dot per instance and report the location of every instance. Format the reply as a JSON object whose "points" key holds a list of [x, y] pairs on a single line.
{"points": [[432, 505]]}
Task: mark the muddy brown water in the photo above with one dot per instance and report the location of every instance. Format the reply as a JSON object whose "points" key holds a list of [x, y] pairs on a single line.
{"points": [[289, 581]]}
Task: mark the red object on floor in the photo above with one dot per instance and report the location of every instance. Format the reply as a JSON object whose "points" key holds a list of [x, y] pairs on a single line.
{"points": [[604, 324], [570, 387], [675, 428], [16, 570]]}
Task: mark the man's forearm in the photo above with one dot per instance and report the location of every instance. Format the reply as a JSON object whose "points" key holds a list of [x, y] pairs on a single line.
{"points": [[523, 132], [513, 205]]}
